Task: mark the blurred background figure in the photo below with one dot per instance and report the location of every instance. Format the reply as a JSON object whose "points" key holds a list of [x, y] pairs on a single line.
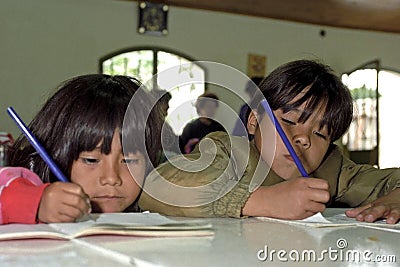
{"points": [[206, 107], [6, 141], [170, 143], [251, 89]]}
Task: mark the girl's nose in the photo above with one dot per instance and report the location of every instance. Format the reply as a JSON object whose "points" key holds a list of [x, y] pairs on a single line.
{"points": [[111, 176], [302, 140]]}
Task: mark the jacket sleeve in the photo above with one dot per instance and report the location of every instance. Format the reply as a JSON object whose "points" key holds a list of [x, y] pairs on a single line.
{"points": [[185, 136], [20, 194], [213, 181], [361, 184]]}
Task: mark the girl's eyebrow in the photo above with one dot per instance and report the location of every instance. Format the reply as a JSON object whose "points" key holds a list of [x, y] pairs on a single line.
{"points": [[97, 148], [299, 111]]}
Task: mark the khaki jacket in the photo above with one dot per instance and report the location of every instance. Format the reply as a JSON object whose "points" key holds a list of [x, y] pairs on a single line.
{"points": [[219, 183]]}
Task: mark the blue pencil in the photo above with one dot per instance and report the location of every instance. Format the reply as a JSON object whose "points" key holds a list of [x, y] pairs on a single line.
{"points": [[284, 138], [35, 143]]}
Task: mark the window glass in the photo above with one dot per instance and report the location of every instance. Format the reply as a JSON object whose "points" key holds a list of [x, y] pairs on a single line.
{"points": [[141, 64], [181, 106]]}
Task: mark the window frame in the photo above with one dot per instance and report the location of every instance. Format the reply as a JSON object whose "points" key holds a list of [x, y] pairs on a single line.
{"points": [[155, 50]]}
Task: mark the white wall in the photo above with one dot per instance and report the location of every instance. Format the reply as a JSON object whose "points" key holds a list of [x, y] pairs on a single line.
{"points": [[46, 41]]}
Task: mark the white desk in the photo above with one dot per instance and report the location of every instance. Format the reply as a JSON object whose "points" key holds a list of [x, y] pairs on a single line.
{"points": [[236, 243]]}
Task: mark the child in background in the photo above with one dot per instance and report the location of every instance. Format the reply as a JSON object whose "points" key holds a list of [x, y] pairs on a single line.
{"points": [[314, 109], [206, 107], [81, 127], [6, 140]]}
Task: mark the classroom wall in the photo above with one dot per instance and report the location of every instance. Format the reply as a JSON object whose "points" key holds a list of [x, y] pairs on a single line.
{"points": [[46, 41]]}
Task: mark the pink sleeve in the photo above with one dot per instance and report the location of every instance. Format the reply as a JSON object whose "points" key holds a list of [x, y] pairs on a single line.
{"points": [[20, 194]]}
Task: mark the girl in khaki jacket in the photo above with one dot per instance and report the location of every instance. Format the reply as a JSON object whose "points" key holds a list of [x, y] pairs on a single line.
{"points": [[229, 176]]}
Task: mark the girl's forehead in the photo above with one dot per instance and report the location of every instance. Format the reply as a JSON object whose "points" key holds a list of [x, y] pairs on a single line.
{"points": [[307, 106], [210, 104], [302, 93]]}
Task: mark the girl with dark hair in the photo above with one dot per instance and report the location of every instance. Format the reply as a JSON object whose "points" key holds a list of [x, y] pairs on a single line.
{"points": [[82, 127]]}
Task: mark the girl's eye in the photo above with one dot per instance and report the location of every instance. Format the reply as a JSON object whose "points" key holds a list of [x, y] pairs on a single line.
{"points": [[130, 161], [288, 121], [320, 135], [90, 160]]}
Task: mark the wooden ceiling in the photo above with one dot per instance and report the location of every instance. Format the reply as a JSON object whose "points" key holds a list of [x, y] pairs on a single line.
{"points": [[374, 15]]}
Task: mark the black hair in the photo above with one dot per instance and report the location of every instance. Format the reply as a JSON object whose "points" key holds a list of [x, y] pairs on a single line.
{"points": [[320, 86], [84, 111], [252, 85], [163, 97]]}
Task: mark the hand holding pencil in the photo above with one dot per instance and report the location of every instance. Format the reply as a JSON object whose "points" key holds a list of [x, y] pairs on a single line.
{"points": [[63, 202]]}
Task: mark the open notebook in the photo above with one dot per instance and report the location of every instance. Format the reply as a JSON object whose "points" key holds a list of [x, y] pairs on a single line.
{"points": [[131, 224], [337, 218]]}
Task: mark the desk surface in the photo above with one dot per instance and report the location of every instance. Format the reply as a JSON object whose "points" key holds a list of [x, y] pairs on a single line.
{"points": [[247, 242]]}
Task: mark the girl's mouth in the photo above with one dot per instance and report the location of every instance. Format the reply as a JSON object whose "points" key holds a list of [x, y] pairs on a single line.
{"points": [[288, 157], [106, 197]]}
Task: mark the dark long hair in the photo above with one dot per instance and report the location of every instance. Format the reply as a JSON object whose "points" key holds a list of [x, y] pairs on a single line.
{"points": [[286, 82], [84, 111]]}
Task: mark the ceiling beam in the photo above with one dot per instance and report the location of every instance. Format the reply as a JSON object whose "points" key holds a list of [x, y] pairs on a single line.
{"points": [[374, 15]]}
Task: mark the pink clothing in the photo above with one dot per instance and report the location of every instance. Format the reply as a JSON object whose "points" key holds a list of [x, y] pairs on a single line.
{"points": [[20, 194]]}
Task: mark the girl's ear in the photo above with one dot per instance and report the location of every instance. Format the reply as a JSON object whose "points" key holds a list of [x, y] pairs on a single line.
{"points": [[252, 122]]}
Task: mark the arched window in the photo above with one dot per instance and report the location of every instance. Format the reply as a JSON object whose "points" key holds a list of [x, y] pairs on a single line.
{"points": [[144, 62], [371, 138]]}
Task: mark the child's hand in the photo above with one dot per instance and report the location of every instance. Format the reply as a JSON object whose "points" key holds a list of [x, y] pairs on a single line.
{"points": [[387, 207], [63, 202], [293, 199]]}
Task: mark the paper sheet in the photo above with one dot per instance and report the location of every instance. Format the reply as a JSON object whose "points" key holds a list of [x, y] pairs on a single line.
{"points": [[135, 224], [336, 220]]}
